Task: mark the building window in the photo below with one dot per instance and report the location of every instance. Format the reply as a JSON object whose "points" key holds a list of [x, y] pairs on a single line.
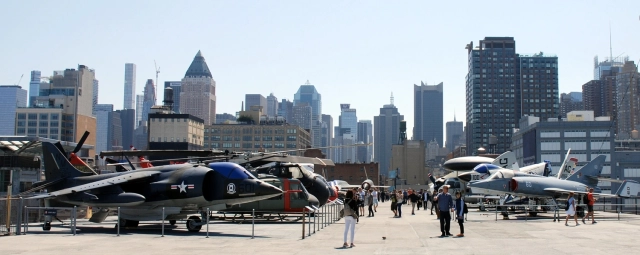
{"points": [[246, 138], [33, 116], [44, 116], [21, 123], [215, 138], [153, 139], [291, 138], [55, 124], [165, 138], [44, 124], [267, 138], [31, 131], [237, 145], [32, 123], [20, 131], [22, 116], [172, 139], [184, 139], [227, 145], [215, 145], [279, 138]]}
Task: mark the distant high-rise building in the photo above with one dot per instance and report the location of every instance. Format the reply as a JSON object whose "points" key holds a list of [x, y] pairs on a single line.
{"points": [[569, 102], [128, 123], [34, 86], [149, 99], [628, 100], [176, 86], [69, 99], [454, 134], [427, 112], [285, 109], [108, 128], [96, 89], [365, 136], [11, 98], [272, 105], [198, 92], [599, 94], [308, 94], [302, 116], [348, 120], [139, 107], [327, 136], [386, 133], [348, 123], [255, 99], [502, 86], [129, 86], [608, 67]]}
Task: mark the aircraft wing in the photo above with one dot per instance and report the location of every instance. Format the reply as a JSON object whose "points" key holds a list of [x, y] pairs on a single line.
{"points": [[98, 184], [564, 191]]}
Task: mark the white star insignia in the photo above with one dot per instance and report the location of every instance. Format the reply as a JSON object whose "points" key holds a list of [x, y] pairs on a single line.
{"points": [[182, 187]]}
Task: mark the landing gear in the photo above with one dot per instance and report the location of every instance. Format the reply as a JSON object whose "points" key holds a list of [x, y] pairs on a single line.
{"points": [[172, 222], [193, 224], [533, 214], [46, 226]]}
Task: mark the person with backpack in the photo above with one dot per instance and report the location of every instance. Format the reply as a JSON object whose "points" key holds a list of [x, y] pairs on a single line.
{"points": [[350, 217], [590, 201], [460, 211], [571, 210]]}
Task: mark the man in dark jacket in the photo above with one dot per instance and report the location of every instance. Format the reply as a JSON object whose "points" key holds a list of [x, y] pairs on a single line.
{"points": [[445, 204]]}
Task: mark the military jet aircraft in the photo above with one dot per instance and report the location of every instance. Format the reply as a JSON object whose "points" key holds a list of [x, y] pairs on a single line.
{"points": [[181, 190], [505, 182]]}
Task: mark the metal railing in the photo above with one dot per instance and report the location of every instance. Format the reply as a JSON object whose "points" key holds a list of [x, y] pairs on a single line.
{"points": [[323, 216]]}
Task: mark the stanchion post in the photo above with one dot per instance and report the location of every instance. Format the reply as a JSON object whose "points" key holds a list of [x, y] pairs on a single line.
{"points": [[25, 220], [162, 222], [308, 224], [253, 218], [118, 224], [303, 217], [497, 206], [208, 223], [74, 220]]}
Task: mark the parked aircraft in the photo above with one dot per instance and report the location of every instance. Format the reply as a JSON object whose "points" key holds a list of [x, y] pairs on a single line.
{"points": [[181, 190]]}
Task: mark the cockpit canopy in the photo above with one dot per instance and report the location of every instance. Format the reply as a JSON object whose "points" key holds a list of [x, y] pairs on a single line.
{"points": [[485, 168], [231, 171]]}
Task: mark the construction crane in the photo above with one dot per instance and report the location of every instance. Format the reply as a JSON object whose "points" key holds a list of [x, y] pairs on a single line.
{"points": [[156, 83], [18, 84]]}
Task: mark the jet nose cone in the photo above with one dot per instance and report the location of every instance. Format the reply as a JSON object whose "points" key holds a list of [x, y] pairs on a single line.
{"points": [[465, 177], [313, 200], [265, 189]]}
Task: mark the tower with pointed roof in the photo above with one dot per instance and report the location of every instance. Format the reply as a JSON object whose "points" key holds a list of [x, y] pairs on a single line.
{"points": [[455, 134], [198, 92]]}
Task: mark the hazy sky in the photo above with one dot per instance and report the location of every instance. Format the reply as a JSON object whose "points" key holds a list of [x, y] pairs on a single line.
{"points": [[355, 52]]}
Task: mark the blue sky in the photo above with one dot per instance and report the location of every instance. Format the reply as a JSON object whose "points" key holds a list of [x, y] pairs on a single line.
{"points": [[355, 52]]}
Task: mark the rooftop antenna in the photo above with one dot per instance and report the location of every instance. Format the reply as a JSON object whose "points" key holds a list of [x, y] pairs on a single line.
{"points": [[391, 98], [307, 83], [18, 84], [610, 47], [155, 89]]}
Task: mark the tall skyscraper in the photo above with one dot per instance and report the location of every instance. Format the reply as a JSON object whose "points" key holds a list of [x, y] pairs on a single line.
{"points": [[327, 136], [108, 128], [539, 94], [198, 92], [129, 86], [34, 86], [502, 86], [96, 89], [285, 109], [301, 116], [348, 120], [255, 99], [365, 136], [272, 105], [128, 123], [427, 112], [609, 67], [599, 95], [139, 107], [386, 133], [628, 100], [348, 123], [454, 134], [149, 99], [307, 93], [11, 97], [570, 102], [176, 86]]}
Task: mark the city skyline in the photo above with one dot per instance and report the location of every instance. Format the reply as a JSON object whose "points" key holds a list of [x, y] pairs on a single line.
{"points": [[383, 55]]}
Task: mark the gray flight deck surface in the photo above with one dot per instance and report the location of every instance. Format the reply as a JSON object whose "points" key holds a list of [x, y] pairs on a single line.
{"points": [[417, 234]]}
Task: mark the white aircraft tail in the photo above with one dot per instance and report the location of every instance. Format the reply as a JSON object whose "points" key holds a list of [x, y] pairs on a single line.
{"points": [[507, 160], [567, 166], [629, 189]]}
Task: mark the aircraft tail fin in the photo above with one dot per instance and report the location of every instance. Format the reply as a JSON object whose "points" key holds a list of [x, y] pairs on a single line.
{"points": [[56, 164], [588, 173], [629, 188], [507, 160]]}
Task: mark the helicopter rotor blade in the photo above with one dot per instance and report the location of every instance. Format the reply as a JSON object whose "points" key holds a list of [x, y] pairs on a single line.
{"points": [[81, 142]]}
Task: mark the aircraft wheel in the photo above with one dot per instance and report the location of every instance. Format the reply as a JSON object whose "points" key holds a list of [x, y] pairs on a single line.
{"points": [[533, 214], [172, 222], [46, 226], [192, 224]]}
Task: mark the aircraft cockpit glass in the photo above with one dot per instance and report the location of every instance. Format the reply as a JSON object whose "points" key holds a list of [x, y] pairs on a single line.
{"points": [[296, 172], [233, 172], [308, 168], [495, 176]]}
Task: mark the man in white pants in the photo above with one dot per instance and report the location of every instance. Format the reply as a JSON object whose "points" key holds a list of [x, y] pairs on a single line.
{"points": [[375, 199]]}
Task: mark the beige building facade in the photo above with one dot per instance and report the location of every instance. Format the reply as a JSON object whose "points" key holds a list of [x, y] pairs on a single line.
{"points": [[409, 159]]}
